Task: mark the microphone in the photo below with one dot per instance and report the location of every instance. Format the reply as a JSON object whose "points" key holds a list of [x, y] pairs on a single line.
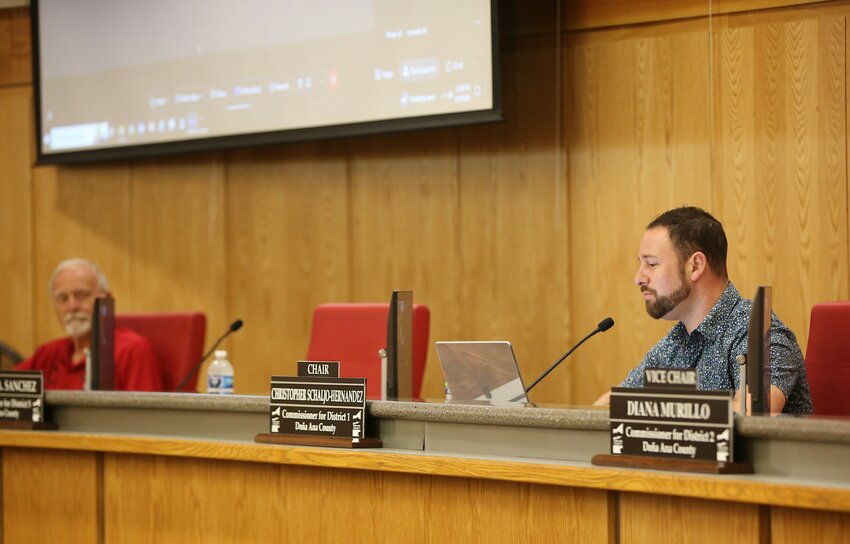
{"points": [[235, 326], [603, 326]]}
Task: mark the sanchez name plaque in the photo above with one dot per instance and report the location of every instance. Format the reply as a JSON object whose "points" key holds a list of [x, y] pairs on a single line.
{"points": [[22, 400], [318, 410]]}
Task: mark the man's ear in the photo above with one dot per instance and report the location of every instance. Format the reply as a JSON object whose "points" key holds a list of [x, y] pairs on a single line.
{"points": [[697, 264]]}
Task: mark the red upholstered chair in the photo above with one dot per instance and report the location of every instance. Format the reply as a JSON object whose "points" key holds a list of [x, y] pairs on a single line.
{"points": [[828, 358], [177, 338], [353, 333]]}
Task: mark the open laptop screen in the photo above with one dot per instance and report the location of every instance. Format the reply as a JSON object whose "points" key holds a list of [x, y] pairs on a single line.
{"points": [[481, 371]]}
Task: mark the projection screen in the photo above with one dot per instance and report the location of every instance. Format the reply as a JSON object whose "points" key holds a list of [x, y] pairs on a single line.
{"points": [[124, 78]]}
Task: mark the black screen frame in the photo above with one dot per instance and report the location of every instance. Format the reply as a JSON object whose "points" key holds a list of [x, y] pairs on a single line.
{"points": [[758, 351], [392, 348], [102, 348], [198, 145]]}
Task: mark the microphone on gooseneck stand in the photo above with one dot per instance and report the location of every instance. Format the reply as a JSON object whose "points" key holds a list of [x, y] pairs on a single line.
{"points": [[235, 326], [603, 326]]}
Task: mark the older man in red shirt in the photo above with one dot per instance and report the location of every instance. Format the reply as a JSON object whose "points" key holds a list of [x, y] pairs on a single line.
{"points": [[74, 286]]}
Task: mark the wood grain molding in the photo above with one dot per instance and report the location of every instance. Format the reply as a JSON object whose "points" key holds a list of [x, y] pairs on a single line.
{"points": [[591, 14]]}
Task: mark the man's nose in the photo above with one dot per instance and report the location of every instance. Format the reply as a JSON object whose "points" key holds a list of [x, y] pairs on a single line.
{"points": [[640, 277], [73, 304]]}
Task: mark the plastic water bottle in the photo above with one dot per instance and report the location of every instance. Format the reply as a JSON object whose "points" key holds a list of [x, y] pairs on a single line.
{"points": [[220, 375]]}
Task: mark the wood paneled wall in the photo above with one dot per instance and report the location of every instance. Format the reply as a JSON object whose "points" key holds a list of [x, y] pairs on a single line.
{"points": [[742, 114], [525, 230]]}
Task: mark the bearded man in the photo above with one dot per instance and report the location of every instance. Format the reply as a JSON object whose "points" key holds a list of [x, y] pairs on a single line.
{"points": [[74, 286], [682, 277]]}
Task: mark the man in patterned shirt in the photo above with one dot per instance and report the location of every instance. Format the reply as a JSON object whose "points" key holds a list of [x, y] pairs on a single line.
{"points": [[682, 277]]}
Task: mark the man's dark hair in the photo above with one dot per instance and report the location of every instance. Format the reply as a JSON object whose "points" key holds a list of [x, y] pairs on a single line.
{"points": [[693, 229]]}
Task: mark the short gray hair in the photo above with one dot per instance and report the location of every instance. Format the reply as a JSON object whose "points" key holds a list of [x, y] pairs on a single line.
{"points": [[102, 283]]}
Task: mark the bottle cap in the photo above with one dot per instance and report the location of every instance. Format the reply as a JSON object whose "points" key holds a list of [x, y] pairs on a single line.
{"points": [[220, 354]]}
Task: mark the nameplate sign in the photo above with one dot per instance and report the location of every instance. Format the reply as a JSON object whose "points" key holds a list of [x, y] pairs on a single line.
{"points": [[680, 424], [327, 369], [318, 406], [22, 396], [679, 378]]}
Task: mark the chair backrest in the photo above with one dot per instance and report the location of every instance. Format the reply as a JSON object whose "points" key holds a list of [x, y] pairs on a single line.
{"points": [[352, 333], [177, 338], [828, 358]]}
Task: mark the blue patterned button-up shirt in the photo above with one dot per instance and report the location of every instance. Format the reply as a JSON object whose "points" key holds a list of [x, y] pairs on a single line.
{"points": [[712, 347]]}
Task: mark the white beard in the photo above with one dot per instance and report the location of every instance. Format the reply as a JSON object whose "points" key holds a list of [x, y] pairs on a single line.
{"points": [[77, 324]]}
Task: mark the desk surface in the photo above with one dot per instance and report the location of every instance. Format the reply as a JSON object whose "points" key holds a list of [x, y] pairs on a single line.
{"points": [[822, 429]]}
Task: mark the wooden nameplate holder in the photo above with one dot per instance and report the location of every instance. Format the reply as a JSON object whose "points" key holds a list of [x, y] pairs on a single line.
{"points": [[28, 425], [321, 441], [680, 465]]}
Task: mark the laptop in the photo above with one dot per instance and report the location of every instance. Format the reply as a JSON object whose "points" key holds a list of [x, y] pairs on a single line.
{"points": [[481, 371]]}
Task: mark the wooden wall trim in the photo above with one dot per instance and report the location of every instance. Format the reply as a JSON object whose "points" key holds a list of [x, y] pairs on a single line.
{"points": [[518, 19], [592, 14], [743, 489]]}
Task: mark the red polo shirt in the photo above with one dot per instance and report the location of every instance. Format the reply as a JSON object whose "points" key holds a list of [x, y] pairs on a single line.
{"points": [[136, 365]]}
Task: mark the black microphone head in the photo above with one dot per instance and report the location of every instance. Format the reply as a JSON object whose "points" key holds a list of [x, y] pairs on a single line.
{"points": [[605, 324], [236, 325]]}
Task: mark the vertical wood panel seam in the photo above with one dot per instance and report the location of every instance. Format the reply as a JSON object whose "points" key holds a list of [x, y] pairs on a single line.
{"points": [[32, 241], [847, 148], [613, 517], [224, 167], [100, 518], [135, 289], [561, 222], [2, 499], [349, 222], [765, 531], [567, 108], [457, 295], [712, 160]]}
